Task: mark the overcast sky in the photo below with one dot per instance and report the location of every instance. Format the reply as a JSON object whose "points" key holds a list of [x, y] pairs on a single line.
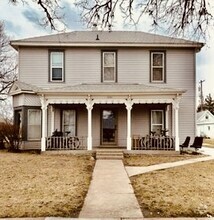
{"points": [[22, 21]]}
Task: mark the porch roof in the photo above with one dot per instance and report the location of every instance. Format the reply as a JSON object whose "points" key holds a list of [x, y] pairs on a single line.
{"points": [[116, 88], [99, 88]]}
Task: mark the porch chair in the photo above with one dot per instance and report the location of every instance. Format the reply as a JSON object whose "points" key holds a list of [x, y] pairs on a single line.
{"points": [[185, 144], [198, 141]]}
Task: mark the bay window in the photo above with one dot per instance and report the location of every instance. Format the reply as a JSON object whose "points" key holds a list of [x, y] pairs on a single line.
{"points": [[34, 124]]}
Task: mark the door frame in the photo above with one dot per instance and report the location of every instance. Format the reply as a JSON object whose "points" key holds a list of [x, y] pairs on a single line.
{"points": [[115, 110]]}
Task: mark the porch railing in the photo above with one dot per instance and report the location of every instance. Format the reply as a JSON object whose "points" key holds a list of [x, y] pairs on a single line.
{"points": [[66, 143], [150, 142]]}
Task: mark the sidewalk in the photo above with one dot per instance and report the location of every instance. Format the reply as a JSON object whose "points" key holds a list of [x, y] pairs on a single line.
{"points": [[132, 171], [209, 152], [110, 193]]}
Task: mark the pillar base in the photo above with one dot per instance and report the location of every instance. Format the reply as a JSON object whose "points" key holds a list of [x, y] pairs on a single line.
{"points": [[129, 143], [43, 144]]}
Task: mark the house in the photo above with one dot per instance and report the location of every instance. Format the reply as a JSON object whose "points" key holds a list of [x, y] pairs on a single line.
{"points": [[205, 124], [87, 89]]}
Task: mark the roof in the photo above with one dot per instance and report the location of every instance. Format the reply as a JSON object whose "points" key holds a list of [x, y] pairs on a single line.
{"points": [[106, 38], [201, 117], [20, 87]]}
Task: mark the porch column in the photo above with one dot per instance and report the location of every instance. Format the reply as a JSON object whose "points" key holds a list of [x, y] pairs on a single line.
{"points": [[44, 122], [89, 106], [176, 123], [129, 138], [52, 119]]}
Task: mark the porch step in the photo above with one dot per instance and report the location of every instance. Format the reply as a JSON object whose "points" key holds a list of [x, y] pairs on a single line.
{"points": [[109, 154]]}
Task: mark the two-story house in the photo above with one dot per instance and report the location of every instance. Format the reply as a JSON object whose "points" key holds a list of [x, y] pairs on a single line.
{"points": [[104, 88]]}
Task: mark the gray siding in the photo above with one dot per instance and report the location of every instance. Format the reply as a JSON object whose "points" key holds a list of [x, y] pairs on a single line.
{"points": [[133, 66]]}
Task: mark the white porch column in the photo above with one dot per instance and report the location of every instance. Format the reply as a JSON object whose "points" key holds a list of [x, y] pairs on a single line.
{"points": [[89, 106], [167, 117], [44, 122], [52, 119], [176, 123], [129, 138]]}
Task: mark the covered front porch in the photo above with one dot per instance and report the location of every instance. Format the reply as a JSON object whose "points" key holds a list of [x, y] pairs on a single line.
{"points": [[130, 120]]}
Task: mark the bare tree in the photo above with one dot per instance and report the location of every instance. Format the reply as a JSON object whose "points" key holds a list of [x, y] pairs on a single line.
{"points": [[192, 17], [175, 16], [7, 65]]}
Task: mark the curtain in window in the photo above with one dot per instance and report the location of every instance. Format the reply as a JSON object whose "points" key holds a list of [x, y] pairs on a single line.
{"points": [[69, 122], [109, 66], [57, 65], [157, 121], [34, 124], [157, 66]]}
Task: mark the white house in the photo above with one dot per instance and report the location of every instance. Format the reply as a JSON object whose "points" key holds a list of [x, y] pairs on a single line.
{"points": [[205, 124], [104, 88]]}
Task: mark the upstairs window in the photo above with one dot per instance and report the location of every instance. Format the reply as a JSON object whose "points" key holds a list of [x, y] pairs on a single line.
{"points": [[57, 66], [157, 67], [109, 66], [157, 121]]}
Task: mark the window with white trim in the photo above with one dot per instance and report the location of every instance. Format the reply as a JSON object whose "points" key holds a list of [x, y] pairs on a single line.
{"points": [[69, 122], [157, 67], [56, 66], [109, 66], [157, 121], [34, 124]]}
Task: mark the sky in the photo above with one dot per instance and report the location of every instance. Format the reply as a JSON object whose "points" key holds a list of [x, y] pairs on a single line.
{"points": [[22, 21]]}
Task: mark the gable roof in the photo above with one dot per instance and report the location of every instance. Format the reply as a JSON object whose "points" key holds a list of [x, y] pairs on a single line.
{"points": [[201, 117], [106, 38]]}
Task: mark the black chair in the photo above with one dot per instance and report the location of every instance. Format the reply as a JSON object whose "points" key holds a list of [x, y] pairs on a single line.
{"points": [[198, 141], [185, 144]]}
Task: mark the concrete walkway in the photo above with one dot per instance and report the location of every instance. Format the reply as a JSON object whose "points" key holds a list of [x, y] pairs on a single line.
{"points": [[110, 193], [132, 171]]}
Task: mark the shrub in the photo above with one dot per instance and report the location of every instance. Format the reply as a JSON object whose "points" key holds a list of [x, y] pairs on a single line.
{"points": [[10, 135]]}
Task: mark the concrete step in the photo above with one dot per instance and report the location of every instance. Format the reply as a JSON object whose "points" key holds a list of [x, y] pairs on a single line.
{"points": [[109, 154]]}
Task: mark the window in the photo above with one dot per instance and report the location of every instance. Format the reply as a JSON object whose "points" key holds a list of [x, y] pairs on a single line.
{"points": [[157, 67], [57, 66], [157, 121], [69, 122], [109, 67], [34, 124]]}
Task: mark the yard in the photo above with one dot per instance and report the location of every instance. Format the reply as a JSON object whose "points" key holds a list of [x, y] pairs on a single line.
{"points": [[185, 191], [34, 185]]}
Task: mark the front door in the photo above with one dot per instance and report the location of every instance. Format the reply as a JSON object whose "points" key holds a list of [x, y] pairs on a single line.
{"points": [[109, 126]]}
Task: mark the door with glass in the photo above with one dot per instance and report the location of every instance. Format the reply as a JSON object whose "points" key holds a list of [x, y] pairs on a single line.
{"points": [[109, 126]]}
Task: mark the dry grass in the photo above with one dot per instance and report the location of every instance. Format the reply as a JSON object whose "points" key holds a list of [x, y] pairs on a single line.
{"points": [[186, 191], [148, 160], [35, 185], [208, 143]]}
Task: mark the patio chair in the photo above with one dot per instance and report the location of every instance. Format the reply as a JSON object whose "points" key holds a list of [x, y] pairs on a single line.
{"points": [[185, 144], [198, 141]]}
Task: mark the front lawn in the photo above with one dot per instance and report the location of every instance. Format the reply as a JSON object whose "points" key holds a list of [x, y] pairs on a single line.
{"points": [[184, 191], [34, 185]]}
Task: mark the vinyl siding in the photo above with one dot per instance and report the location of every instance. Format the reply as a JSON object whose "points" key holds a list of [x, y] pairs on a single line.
{"points": [[133, 66]]}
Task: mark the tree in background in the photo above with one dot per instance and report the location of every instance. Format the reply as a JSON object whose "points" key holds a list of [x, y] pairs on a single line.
{"points": [[7, 73], [178, 17], [208, 104]]}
